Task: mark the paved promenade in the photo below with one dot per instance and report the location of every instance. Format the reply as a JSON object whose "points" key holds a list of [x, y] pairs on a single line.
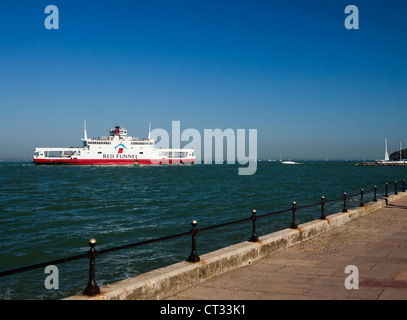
{"points": [[376, 244]]}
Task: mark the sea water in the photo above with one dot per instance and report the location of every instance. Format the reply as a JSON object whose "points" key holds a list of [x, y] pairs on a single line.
{"points": [[51, 212]]}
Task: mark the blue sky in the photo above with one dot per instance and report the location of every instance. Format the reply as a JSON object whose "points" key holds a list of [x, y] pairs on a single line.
{"points": [[289, 69]]}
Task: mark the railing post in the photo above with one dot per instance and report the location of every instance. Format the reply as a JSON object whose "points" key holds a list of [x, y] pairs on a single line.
{"points": [[387, 190], [361, 198], [194, 257], [92, 288], [375, 194], [344, 203], [294, 209], [404, 185], [322, 217], [396, 191], [254, 237]]}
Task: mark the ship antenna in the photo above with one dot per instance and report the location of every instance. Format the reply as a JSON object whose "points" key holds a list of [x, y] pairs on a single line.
{"points": [[149, 131]]}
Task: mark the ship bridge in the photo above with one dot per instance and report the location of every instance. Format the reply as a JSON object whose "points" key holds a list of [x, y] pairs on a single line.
{"points": [[117, 131]]}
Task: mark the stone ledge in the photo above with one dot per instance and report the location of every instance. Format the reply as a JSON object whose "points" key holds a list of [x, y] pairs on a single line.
{"points": [[164, 282]]}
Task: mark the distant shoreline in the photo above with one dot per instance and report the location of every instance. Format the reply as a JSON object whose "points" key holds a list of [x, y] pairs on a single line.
{"points": [[379, 164]]}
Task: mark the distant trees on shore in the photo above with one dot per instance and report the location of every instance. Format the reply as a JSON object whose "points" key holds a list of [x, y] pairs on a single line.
{"points": [[395, 156]]}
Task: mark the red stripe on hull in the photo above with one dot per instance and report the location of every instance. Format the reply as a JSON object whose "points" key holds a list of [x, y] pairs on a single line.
{"points": [[106, 162]]}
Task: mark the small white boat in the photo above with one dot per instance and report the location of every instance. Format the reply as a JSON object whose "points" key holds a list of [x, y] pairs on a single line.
{"points": [[288, 162]]}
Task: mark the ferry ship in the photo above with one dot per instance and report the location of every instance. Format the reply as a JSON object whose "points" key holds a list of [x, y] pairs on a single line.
{"points": [[116, 149]]}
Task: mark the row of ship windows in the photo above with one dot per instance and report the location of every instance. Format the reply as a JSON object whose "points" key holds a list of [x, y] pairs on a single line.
{"points": [[99, 142], [108, 142], [141, 143]]}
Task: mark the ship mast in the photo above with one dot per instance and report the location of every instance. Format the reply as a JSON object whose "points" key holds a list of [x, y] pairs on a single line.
{"points": [[85, 135]]}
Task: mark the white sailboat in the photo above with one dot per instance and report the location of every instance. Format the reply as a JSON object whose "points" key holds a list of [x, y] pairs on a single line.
{"points": [[387, 161], [386, 154], [387, 157]]}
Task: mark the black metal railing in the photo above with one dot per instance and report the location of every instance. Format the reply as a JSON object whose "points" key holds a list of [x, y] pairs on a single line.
{"points": [[92, 288]]}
